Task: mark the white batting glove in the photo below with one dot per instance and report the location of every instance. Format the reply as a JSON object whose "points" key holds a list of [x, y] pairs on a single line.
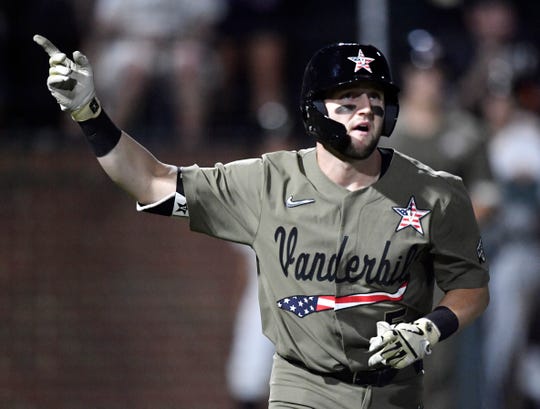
{"points": [[402, 344], [71, 82]]}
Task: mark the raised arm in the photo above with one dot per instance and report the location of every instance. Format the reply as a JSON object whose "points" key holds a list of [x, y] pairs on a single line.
{"points": [[138, 172], [127, 163]]}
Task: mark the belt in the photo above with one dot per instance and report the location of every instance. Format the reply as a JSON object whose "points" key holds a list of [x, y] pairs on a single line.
{"points": [[376, 377]]}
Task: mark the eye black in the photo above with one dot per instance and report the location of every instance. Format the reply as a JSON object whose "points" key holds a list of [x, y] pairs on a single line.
{"points": [[342, 109]]}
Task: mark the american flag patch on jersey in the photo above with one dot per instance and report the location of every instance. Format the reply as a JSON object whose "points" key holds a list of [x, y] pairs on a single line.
{"points": [[411, 216], [303, 305]]}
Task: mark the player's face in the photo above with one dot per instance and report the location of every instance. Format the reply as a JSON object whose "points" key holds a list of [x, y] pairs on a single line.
{"points": [[361, 110]]}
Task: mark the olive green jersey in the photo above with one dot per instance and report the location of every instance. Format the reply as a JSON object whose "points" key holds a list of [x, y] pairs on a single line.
{"points": [[334, 262]]}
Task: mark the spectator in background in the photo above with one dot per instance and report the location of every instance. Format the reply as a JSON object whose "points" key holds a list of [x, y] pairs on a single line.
{"points": [[252, 47], [502, 57], [514, 153], [501, 54], [168, 42]]}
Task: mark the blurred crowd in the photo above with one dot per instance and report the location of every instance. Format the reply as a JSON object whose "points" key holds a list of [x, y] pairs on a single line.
{"points": [[194, 74]]}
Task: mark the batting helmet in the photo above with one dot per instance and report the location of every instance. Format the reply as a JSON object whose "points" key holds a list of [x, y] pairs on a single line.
{"points": [[340, 65]]}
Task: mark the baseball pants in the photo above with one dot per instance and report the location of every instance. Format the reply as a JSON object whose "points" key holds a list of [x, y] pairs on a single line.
{"points": [[293, 387]]}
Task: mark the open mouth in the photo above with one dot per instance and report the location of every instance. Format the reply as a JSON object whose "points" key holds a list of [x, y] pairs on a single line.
{"points": [[363, 127]]}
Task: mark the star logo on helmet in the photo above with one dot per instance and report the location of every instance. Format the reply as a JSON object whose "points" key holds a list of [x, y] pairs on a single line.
{"points": [[361, 61]]}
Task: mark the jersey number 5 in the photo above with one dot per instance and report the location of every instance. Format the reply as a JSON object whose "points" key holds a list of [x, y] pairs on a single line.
{"points": [[396, 316]]}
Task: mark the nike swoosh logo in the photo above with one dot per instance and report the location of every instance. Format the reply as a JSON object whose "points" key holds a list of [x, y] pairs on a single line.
{"points": [[416, 331], [290, 203]]}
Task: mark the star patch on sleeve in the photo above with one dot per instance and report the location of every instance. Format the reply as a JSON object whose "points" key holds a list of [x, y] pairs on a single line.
{"points": [[411, 216]]}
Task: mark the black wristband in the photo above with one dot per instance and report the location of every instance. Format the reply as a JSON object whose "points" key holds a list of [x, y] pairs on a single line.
{"points": [[446, 321], [102, 133]]}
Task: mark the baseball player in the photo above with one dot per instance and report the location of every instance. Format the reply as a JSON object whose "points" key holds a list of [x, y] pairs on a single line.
{"points": [[350, 238]]}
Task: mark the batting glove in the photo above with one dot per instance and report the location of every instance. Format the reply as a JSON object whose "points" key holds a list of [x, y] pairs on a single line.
{"points": [[71, 82], [402, 344]]}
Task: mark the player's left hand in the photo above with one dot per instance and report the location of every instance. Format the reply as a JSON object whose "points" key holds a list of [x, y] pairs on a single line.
{"points": [[402, 344]]}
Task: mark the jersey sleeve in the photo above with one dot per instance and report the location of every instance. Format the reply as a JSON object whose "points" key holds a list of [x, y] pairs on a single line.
{"points": [[224, 201], [458, 257]]}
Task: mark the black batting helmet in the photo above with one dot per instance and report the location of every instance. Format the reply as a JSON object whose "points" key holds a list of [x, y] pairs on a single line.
{"points": [[340, 65]]}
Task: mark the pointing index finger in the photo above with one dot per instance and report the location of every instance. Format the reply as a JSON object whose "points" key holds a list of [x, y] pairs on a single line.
{"points": [[49, 47]]}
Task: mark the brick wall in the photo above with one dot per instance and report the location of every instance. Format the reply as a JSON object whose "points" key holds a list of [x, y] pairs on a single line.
{"points": [[102, 307]]}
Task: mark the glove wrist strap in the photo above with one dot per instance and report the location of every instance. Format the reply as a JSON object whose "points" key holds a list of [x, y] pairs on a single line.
{"points": [[88, 111]]}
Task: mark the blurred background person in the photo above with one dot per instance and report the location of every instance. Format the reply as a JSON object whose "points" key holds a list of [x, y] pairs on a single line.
{"points": [[168, 42], [252, 46], [514, 153], [528, 374], [250, 358], [501, 50]]}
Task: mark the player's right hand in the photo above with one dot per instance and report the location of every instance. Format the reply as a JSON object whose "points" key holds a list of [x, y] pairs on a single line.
{"points": [[71, 82]]}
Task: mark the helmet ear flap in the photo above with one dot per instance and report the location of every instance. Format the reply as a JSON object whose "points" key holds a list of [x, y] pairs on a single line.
{"points": [[321, 107], [390, 118], [323, 129]]}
